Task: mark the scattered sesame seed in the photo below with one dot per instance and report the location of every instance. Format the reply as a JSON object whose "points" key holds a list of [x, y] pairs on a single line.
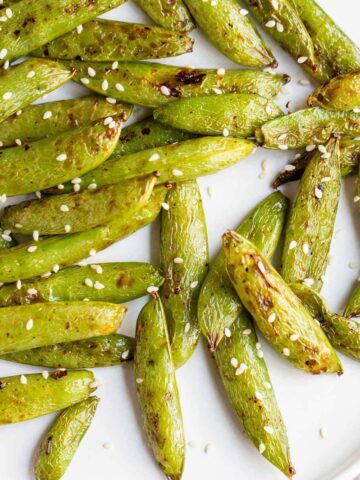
{"points": [[279, 27], [3, 18], [91, 72], [64, 208], [292, 244], [304, 81], [115, 65], [247, 331], [283, 147], [165, 90], [32, 291], [269, 429], [262, 448], [6, 237], [302, 59], [178, 260], [268, 109], [318, 193], [272, 317], [99, 269], [7, 95], [61, 186], [67, 228], [92, 186], [111, 100], [270, 24], [119, 87], [98, 285], [152, 289], [261, 267], [323, 432], [30, 324], [62, 157], [354, 265], [46, 275], [32, 248], [352, 325], [35, 235], [221, 71], [38, 194], [125, 354], [225, 132], [45, 374], [356, 198], [88, 282], [289, 167], [154, 157], [194, 284], [3, 198], [139, 380], [209, 448], [165, 206], [47, 115], [23, 379], [8, 12], [286, 352], [244, 12], [324, 279], [241, 369], [31, 74], [92, 252], [260, 354], [85, 81], [177, 173], [3, 53], [18, 284], [218, 91], [18, 141], [234, 362], [56, 268], [322, 149], [108, 446], [187, 327], [259, 396], [294, 337], [76, 180], [108, 120], [76, 187], [310, 148], [105, 85], [79, 28], [306, 248]]}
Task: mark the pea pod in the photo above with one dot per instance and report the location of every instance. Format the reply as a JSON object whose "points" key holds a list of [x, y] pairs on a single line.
{"points": [[46, 119], [184, 260], [63, 438], [171, 15], [6, 240], [219, 305], [339, 93], [229, 28], [278, 313], [154, 84], [353, 307], [157, 390], [26, 28], [78, 211], [307, 127], [234, 114], [122, 282], [50, 161], [103, 351], [24, 397], [22, 84], [60, 251], [311, 220]]}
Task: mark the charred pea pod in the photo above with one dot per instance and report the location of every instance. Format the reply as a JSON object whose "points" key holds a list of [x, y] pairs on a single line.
{"points": [[353, 307], [171, 15], [339, 93]]}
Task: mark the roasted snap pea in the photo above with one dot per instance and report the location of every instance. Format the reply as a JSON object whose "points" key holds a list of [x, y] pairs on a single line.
{"points": [[37, 258], [219, 305], [236, 115], [172, 15], [153, 84], [6, 240], [29, 25], [184, 260], [339, 93], [122, 282], [107, 40], [353, 307], [63, 438], [30, 326], [50, 161], [22, 84], [103, 351], [157, 390], [23, 397], [46, 119], [278, 313], [307, 127], [310, 225], [77, 212], [229, 28]]}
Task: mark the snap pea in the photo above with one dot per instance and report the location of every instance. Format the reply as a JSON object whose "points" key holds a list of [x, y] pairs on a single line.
{"points": [[154, 84], [234, 114], [310, 225], [106, 40], [52, 118], [157, 390], [60, 251], [50, 161], [353, 307], [22, 84], [229, 28], [219, 305], [184, 260], [171, 15], [307, 127], [31, 25], [24, 397], [6, 240], [63, 438], [339, 93], [278, 313], [103, 351]]}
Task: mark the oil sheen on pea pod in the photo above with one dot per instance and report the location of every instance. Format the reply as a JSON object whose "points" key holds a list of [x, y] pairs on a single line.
{"points": [[184, 260], [172, 15], [154, 84], [77, 212], [353, 307], [107, 40], [23, 397], [103, 351], [229, 28], [47, 119], [277, 311], [50, 161], [6, 240], [219, 305], [117, 283], [157, 390], [310, 225], [31, 259], [311, 126], [343, 333], [29, 26], [339, 93], [22, 84], [247, 383], [60, 443], [236, 115]]}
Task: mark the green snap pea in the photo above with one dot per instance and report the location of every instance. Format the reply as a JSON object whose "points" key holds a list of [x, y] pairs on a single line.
{"points": [[103, 351], [236, 115], [219, 305], [62, 440], [184, 260], [154, 84], [171, 15], [6, 240], [353, 307], [229, 28], [157, 390], [339, 93], [278, 313], [22, 84], [307, 127], [311, 220]]}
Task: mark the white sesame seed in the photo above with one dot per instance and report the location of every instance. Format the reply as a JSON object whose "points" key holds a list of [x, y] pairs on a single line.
{"points": [[268, 109], [3, 53], [269, 429], [91, 72], [98, 285], [323, 432], [3, 18], [304, 81], [352, 325], [356, 110], [294, 337], [326, 179], [64, 208], [324, 279], [310, 148], [18, 141], [88, 282], [108, 120], [119, 87], [32, 291], [76, 187], [262, 448], [286, 352], [105, 85], [259, 396], [292, 244], [318, 193], [67, 228], [111, 100], [247, 331], [218, 91], [165, 206], [227, 332], [322, 149], [23, 379], [38, 194], [31, 74], [272, 317], [209, 448], [279, 27], [270, 24], [244, 12], [46, 275], [356, 198], [289, 167], [85, 81], [225, 132], [79, 28], [283, 147], [139, 380], [32, 248], [260, 354], [152, 289], [115, 65], [7, 95], [76, 180], [154, 157], [45, 374], [234, 362], [92, 186], [221, 71], [177, 173], [47, 115], [187, 327], [82, 263], [178, 260], [92, 252], [302, 59], [306, 248], [241, 369], [3, 198], [112, 124], [61, 186], [56, 268], [354, 265], [261, 267], [165, 90], [62, 157], [8, 12], [6, 237], [125, 354], [29, 324], [108, 446], [35, 235], [18, 284]]}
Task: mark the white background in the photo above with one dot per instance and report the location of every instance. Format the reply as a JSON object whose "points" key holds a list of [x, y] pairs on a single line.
{"points": [[308, 403]]}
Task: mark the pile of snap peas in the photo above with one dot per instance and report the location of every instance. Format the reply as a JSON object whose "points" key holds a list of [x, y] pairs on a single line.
{"points": [[96, 182]]}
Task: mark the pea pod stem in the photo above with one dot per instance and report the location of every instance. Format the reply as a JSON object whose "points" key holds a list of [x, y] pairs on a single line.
{"points": [[171, 15]]}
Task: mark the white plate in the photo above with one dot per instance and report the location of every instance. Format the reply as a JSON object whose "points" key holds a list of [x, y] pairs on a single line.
{"points": [[308, 403]]}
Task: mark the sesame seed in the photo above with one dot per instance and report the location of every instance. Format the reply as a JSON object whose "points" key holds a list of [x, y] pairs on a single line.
{"points": [[7, 95], [67, 228], [76, 180], [82, 263], [8, 12], [6, 237], [218, 91], [241, 369], [32, 248], [61, 186], [76, 187], [225, 132], [45, 374], [112, 124], [79, 28], [115, 65], [3, 198], [152, 289], [111, 100], [23, 379], [286, 352], [322, 149], [247, 331], [38, 194], [261, 267], [165, 90], [3, 18], [221, 71], [283, 147], [356, 110], [269, 429], [3, 53], [125, 354], [119, 87], [105, 85], [304, 81], [178, 260], [177, 173], [352, 325], [326, 179], [323, 432], [29, 324], [62, 157], [209, 448], [356, 198], [32, 291], [64, 208], [294, 337], [244, 12], [270, 24], [154, 157], [85, 81], [56, 268], [306, 248], [47, 115], [46, 275], [227, 332], [272, 317], [35, 235], [165, 206], [259, 396], [139, 380], [92, 252], [91, 72], [354, 265], [268, 109], [279, 27], [262, 448], [31, 74], [98, 285], [260, 354], [302, 59], [310, 148], [324, 279], [18, 284], [108, 120], [292, 244], [18, 142], [92, 186], [234, 362], [88, 282], [187, 327], [289, 167], [108, 446], [318, 193]]}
